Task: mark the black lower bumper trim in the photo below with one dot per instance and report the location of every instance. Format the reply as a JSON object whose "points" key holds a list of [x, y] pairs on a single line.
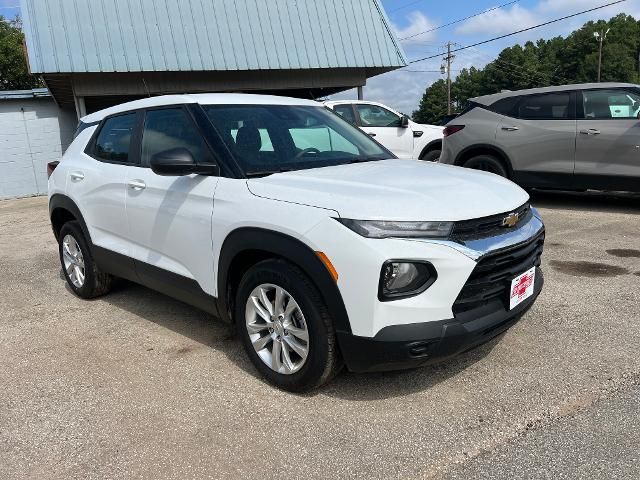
{"points": [[399, 347]]}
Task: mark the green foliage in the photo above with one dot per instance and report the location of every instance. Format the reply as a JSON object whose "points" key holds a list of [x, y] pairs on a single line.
{"points": [[433, 104], [13, 67], [557, 61]]}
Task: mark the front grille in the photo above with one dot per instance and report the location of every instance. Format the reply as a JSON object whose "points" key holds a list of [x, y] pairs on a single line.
{"points": [[491, 278], [489, 226]]}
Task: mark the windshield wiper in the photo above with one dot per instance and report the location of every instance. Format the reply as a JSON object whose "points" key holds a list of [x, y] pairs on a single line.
{"points": [[265, 173], [362, 159]]}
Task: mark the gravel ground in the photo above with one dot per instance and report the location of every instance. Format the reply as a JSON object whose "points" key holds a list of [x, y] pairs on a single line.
{"points": [[600, 442], [137, 385]]}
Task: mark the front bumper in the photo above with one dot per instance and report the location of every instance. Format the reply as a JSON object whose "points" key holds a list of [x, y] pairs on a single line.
{"points": [[412, 345]]}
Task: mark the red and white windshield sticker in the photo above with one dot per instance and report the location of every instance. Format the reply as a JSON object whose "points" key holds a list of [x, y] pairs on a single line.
{"points": [[522, 287]]}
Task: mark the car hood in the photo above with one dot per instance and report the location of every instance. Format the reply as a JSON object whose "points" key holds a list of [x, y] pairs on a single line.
{"points": [[395, 190]]}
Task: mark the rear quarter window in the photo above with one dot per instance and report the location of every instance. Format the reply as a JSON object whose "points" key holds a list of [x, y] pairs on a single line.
{"points": [[114, 139]]}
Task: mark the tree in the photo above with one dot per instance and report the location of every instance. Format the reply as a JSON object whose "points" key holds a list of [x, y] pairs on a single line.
{"points": [[14, 74], [433, 105]]}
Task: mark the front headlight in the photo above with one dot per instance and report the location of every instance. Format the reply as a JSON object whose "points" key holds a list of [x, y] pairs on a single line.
{"points": [[386, 229]]}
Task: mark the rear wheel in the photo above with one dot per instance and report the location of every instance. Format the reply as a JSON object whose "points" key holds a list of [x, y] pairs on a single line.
{"points": [[81, 272], [431, 156], [285, 327], [487, 163]]}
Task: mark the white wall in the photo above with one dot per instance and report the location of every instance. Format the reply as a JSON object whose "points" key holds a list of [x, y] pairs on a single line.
{"points": [[33, 132]]}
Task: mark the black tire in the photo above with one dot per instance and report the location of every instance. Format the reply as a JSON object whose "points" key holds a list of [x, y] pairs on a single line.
{"points": [[323, 361], [431, 156], [487, 163], [96, 283]]}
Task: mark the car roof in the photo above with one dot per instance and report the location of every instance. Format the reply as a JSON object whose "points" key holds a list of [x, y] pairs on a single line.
{"points": [[491, 99], [201, 98], [340, 102]]}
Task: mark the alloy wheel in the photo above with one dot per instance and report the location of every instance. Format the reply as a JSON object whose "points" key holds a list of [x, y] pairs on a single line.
{"points": [[73, 261], [277, 328]]}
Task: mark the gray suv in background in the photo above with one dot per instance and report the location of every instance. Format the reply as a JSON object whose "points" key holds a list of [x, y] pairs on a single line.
{"points": [[578, 137]]}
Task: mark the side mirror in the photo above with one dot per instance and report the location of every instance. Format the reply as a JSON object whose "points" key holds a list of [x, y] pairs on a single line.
{"points": [[179, 161], [404, 121]]}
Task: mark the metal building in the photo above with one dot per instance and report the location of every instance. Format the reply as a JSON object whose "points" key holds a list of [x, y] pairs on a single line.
{"points": [[96, 53]]}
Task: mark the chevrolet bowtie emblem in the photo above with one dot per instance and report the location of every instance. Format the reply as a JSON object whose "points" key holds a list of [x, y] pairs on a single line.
{"points": [[510, 220]]}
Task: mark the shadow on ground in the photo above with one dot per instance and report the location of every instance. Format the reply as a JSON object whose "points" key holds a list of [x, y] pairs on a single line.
{"points": [[587, 201], [213, 333]]}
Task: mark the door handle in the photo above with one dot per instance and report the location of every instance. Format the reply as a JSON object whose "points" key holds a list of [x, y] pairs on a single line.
{"points": [[137, 185], [590, 131], [77, 176], [371, 134], [510, 129]]}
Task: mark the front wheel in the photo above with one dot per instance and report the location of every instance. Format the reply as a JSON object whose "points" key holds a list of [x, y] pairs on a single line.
{"points": [[285, 327], [81, 272], [431, 156], [486, 163]]}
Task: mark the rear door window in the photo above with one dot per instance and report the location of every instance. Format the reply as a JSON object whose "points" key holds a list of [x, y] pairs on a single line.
{"points": [[114, 139], [505, 106], [548, 106]]}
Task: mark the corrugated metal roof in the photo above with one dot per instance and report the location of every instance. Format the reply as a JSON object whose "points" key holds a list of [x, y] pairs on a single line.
{"points": [[19, 94], [69, 36]]}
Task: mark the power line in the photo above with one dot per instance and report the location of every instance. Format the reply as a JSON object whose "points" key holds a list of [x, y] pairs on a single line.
{"points": [[405, 6], [456, 21], [521, 69], [523, 30]]}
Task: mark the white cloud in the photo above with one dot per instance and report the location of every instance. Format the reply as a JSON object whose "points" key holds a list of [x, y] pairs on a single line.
{"points": [[418, 23], [505, 20], [401, 90], [502, 20]]}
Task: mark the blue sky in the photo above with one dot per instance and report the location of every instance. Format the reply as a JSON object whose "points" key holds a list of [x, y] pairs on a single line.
{"points": [[9, 8], [403, 89]]}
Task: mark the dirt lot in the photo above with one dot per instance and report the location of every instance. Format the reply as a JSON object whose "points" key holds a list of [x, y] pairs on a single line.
{"points": [[138, 385]]}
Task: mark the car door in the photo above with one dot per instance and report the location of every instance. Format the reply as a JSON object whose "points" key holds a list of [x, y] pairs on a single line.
{"points": [[96, 181], [608, 143], [170, 216], [385, 126], [538, 134]]}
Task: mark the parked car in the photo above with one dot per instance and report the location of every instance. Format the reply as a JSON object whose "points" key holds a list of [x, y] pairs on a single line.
{"points": [[397, 132], [569, 137], [446, 119], [274, 214]]}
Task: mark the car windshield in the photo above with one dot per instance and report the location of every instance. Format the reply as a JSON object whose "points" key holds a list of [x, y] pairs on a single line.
{"points": [[266, 139]]}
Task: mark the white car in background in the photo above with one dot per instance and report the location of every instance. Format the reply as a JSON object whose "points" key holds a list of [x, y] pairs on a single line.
{"points": [[395, 131]]}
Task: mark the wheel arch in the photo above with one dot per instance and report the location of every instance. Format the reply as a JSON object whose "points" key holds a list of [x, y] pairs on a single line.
{"points": [[432, 145], [62, 210], [247, 246], [485, 149]]}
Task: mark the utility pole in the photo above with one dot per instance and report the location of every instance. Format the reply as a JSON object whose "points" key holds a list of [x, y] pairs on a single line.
{"points": [[600, 36], [449, 58]]}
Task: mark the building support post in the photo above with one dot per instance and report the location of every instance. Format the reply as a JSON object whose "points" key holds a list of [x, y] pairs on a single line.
{"points": [[360, 93], [81, 108]]}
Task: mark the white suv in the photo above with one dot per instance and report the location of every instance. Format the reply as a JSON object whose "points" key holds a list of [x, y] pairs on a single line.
{"points": [[397, 132], [277, 215]]}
